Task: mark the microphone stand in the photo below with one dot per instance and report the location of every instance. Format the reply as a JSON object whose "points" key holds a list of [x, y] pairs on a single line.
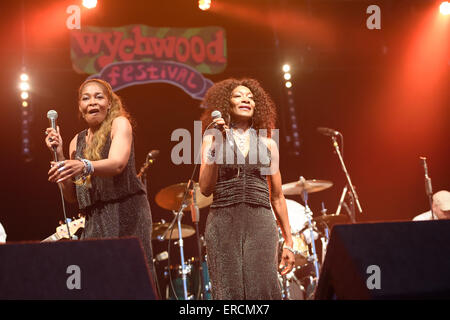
{"points": [[428, 187], [349, 181], [178, 216], [66, 221], [195, 219]]}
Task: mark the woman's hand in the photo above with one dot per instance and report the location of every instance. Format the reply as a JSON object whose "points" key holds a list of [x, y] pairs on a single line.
{"points": [[54, 141], [287, 261], [219, 122], [63, 170]]}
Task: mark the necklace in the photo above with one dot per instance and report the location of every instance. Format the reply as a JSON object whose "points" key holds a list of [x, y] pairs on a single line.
{"points": [[242, 139]]}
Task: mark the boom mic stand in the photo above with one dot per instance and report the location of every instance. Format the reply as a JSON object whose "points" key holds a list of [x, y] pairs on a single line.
{"points": [[428, 187], [349, 181]]}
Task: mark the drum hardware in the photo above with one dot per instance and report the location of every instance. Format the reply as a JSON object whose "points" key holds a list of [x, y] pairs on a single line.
{"points": [[195, 215], [194, 278], [308, 213], [310, 186], [182, 197], [291, 286], [173, 197], [164, 198], [161, 229]]}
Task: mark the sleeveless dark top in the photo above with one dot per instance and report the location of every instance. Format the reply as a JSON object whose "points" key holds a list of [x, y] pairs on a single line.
{"points": [[107, 189], [242, 179]]}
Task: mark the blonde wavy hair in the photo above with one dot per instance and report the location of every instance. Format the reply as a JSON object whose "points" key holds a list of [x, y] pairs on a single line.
{"points": [[94, 149]]}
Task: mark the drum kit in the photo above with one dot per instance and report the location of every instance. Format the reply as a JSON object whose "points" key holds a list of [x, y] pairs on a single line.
{"points": [[306, 230], [190, 279]]}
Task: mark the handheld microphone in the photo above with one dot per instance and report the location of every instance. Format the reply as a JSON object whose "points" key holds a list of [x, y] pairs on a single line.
{"points": [[52, 115], [328, 131], [216, 115]]}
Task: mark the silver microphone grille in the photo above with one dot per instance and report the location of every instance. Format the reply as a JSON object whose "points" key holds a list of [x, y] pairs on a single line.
{"points": [[216, 114], [52, 114]]}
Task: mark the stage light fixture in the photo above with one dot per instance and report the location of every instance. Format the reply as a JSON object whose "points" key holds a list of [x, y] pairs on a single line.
{"points": [[444, 8], [287, 76], [24, 104], [89, 3], [288, 84], [286, 68], [24, 95], [24, 77], [24, 86], [204, 4]]}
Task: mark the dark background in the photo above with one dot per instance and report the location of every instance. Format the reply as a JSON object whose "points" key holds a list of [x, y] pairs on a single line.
{"points": [[385, 90]]}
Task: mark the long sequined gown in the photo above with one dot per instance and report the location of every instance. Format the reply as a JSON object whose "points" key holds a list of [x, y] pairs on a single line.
{"points": [[115, 206], [241, 233]]}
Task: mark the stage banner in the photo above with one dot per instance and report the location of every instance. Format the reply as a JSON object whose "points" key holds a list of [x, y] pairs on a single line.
{"points": [[138, 54], [203, 49]]}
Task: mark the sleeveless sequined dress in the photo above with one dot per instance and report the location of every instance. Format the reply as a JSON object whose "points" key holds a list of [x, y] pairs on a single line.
{"points": [[115, 206], [241, 233]]}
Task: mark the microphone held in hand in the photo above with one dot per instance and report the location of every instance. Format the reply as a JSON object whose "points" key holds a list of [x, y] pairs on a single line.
{"points": [[216, 115], [52, 115], [328, 131]]}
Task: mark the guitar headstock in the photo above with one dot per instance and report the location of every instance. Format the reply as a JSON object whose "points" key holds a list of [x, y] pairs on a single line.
{"points": [[74, 225]]}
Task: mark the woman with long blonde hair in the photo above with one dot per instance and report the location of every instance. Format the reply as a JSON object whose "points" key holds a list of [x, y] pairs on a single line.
{"points": [[100, 173]]}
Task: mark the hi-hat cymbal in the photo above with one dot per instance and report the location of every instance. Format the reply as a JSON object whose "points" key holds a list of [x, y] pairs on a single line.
{"points": [[159, 229], [171, 197], [331, 219], [297, 187]]}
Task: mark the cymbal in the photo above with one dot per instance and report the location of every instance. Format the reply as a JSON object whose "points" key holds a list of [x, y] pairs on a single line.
{"points": [[297, 187], [171, 197], [159, 229], [331, 219]]}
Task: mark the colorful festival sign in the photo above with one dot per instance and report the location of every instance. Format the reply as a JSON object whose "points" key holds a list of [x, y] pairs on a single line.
{"points": [[141, 54], [125, 74]]}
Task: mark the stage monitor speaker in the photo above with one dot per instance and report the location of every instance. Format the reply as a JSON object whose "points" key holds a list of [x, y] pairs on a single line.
{"points": [[84, 269], [392, 260]]}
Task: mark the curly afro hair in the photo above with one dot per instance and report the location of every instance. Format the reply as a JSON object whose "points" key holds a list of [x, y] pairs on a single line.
{"points": [[218, 97]]}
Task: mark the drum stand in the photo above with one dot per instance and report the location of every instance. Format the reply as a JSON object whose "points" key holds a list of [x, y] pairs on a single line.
{"points": [[178, 217], [285, 283], [308, 213]]}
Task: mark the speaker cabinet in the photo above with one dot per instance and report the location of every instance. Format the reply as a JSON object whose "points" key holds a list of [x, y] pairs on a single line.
{"points": [[392, 260], [84, 269]]}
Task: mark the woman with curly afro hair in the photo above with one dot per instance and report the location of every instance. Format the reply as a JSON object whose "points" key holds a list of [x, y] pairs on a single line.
{"points": [[240, 168]]}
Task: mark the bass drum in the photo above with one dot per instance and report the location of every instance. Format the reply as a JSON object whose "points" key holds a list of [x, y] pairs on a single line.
{"points": [[301, 237]]}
